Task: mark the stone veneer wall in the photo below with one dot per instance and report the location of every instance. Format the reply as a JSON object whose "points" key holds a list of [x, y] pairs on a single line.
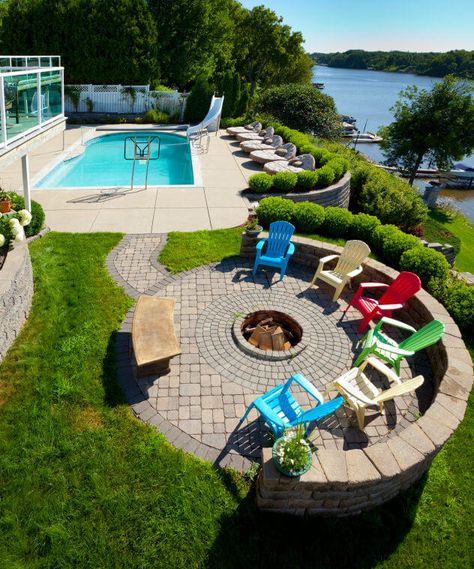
{"points": [[342, 483], [16, 292], [336, 195]]}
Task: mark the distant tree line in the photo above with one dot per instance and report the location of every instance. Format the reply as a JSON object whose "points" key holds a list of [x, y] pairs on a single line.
{"points": [[459, 62], [172, 42]]}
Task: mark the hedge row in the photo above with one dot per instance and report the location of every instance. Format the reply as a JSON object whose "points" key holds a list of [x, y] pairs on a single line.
{"points": [[373, 190], [398, 249]]}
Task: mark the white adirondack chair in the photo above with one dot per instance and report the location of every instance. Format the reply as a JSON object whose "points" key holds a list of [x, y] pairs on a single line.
{"points": [[359, 392], [348, 266]]}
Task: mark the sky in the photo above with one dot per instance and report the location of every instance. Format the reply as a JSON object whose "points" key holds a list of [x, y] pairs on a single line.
{"points": [[407, 25]]}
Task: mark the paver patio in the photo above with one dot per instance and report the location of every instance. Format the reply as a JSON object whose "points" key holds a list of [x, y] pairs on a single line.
{"points": [[199, 403]]}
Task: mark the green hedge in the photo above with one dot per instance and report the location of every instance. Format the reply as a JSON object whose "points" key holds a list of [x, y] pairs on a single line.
{"points": [[38, 217], [285, 181], [396, 248]]}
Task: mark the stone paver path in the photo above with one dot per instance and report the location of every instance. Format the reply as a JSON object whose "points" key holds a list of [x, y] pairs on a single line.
{"points": [[199, 403]]}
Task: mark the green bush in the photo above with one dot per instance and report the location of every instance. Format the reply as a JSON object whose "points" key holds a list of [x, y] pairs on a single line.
{"points": [[37, 221], [308, 179], [5, 230], [391, 243], [302, 107], [308, 217], [285, 181], [390, 199], [363, 226], [326, 176], [321, 156], [458, 299], [157, 117], [198, 101], [239, 121], [275, 209], [430, 265], [337, 221], [260, 183], [339, 165]]}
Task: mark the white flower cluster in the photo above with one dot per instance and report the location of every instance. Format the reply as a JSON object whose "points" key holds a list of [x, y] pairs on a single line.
{"points": [[23, 218]]}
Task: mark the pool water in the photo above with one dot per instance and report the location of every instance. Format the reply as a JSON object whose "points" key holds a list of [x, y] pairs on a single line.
{"points": [[103, 163]]}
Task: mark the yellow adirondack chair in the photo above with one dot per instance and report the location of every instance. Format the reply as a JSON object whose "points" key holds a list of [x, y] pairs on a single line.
{"points": [[348, 266], [359, 392]]}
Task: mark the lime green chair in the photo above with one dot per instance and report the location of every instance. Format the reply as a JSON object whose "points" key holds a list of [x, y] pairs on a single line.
{"points": [[382, 346]]}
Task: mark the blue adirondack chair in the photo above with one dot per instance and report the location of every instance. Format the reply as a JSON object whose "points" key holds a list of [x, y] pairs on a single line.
{"points": [[281, 411], [279, 248]]}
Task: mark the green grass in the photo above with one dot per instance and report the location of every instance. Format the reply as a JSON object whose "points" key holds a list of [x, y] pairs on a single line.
{"points": [[457, 231], [84, 484]]}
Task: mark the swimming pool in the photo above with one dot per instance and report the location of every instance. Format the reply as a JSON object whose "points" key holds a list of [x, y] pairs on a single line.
{"points": [[103, 163]]}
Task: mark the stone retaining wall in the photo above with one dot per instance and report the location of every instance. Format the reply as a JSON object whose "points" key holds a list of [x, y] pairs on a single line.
{"points": [[342, 483], [336, 195], [16, 292]]}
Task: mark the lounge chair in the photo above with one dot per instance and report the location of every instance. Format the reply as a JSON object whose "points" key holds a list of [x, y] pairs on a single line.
{"points": [[395, 296], [382, 346], [279, 247], [264, 156], [252, 127], [295, 165], [269, 143], [265, 133], [281, 411], [359, 392], [348, 266]]}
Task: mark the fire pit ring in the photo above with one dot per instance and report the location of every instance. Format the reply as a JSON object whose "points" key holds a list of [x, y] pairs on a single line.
{"points": [[283, 335]]}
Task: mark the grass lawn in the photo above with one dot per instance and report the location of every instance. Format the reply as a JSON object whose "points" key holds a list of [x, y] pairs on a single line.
{"points": [[84, 484], [457, 231]]}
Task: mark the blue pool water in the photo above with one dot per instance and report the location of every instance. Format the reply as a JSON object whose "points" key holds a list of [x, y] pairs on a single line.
{"points": [[103, 163]]}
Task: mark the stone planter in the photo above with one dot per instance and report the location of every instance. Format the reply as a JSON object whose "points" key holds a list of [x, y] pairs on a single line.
{"points": [[253, 233], [282, 469]]}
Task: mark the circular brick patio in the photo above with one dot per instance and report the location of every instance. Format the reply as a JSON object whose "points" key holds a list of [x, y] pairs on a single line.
{"points": [[199, 403]]}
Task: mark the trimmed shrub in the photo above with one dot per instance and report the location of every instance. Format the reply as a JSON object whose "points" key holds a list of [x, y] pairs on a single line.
{"points": [[37, 221], [363, 226], [337, 221], [339, 165], [275, 209], [391, 243], [390, 199], [326, 176], [6, 230], [430, 265], [239, 121], [307, 179], [285, 181], [303, 107], [308, 217], [260, 183], [459, 301], [321, 156]]}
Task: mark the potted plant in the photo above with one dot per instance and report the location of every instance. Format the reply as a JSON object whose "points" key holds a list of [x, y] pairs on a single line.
{"points": [[251, 227], [291, 453], [5, 202]]}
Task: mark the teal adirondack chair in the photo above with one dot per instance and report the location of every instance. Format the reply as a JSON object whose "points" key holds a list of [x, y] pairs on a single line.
{"points": [[281, 411], [279, 248], [382, 346]]}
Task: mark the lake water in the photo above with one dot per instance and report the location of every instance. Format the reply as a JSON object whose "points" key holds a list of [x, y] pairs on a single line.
{"points": [[368, 96]]}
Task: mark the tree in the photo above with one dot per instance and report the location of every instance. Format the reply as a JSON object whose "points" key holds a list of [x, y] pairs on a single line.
{"points": [[302, 107], [198, 101], [269, 50], [433, 126]]}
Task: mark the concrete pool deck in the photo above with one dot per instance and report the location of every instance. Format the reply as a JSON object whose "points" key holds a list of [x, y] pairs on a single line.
{"points": [[216, 203]]}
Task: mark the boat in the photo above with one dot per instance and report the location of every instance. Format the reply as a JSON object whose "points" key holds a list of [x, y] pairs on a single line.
{"points": [[461, 176], [348, 118], [318, 85], [363, 137]]}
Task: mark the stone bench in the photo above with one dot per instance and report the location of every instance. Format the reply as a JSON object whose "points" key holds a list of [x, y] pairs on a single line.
{"points": [[153, 335]]}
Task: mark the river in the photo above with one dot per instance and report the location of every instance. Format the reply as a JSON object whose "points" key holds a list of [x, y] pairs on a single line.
{"points": [[368, 97]]}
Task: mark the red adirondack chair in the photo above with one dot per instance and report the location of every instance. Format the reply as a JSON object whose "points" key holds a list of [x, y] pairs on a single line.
{"points": [[396, 294]]}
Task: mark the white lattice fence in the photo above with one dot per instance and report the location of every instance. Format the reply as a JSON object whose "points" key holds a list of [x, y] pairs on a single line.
{"points": [[123, 99]]}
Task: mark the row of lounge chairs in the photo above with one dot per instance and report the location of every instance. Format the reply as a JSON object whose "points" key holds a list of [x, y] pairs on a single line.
{"points": [[268, 149]]}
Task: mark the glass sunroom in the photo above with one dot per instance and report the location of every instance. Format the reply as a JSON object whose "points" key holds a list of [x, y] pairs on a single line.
{"points": [[31, 95]]}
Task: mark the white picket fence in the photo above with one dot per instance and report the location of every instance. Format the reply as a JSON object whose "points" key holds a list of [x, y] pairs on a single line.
{"points": [[117, 99]]}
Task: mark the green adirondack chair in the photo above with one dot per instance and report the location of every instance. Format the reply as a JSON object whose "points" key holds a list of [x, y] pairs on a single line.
{"points": [[382, 346]]}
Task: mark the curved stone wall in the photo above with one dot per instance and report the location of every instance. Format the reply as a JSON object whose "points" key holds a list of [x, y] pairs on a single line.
{"points": [[337, 195], [347, 482], [16, 292]]}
